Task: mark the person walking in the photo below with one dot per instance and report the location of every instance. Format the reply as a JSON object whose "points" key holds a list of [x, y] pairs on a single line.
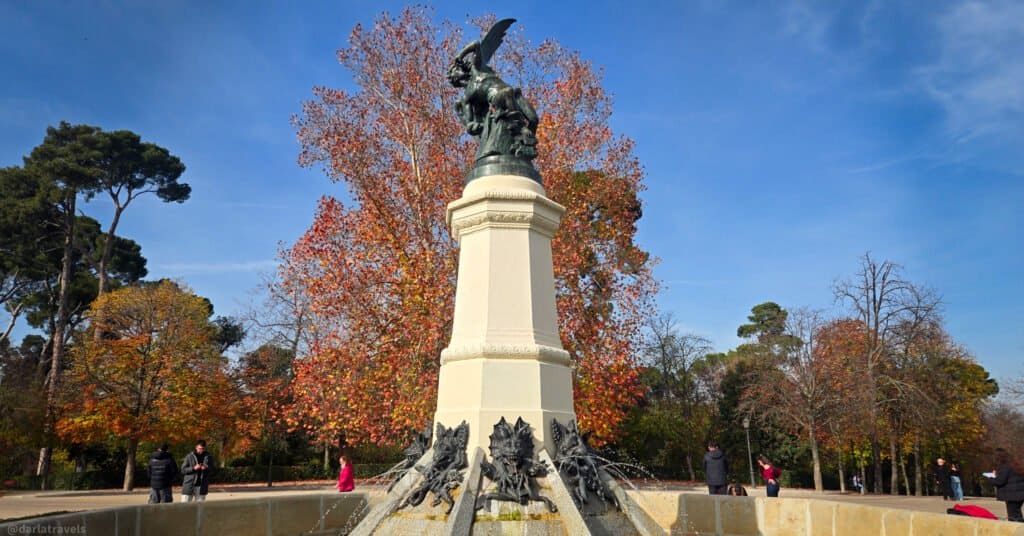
{"points": [[1009, 482], [941, 474], [162, 471], [346, 480], [196, 470], [771, 475], [716, 470]]}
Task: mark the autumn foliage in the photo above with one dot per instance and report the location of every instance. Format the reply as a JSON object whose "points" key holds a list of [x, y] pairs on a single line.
{"points": [[155, 375], [379, 267]]}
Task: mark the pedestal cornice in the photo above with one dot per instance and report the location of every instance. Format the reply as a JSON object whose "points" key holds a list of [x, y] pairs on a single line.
{"points": [[504, 209], [539, 352]]}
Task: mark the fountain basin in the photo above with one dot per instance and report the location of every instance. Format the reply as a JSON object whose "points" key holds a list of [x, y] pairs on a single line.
{"points": [[308, 514], [700, 515], [674, 512]]}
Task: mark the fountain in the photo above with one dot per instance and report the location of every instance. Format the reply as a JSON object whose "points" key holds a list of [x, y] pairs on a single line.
{"points": [[504, 370], [506, 456]]}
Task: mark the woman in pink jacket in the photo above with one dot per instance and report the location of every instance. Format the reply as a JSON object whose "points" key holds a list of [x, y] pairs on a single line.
{"points": [[346, 482]]}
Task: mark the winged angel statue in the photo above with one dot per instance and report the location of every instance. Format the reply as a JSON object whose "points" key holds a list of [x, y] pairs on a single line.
{"points": [[495, 113]]}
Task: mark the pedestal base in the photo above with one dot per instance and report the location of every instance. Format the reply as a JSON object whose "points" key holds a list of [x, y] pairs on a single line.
{"points": [[482, 391]]}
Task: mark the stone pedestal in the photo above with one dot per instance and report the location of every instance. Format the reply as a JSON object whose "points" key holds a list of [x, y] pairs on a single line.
{"points": [[505, 357]]}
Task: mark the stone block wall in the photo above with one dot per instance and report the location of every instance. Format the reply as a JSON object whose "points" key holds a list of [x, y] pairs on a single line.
{"points": [[705, 515], [675, 513], [309, 514]]}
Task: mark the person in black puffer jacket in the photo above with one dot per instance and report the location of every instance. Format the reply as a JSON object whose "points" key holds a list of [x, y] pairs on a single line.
{"points": [[1009, 483], [162, 471], [716, 470]]}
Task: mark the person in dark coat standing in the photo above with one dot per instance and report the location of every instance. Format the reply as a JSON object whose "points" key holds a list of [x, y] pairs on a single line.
{"points": [[942, 482], [716, 470], [1009, 483], [196, 470], [162, 471]]}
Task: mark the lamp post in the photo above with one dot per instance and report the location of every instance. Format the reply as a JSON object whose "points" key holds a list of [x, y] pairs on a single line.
{"points": [[750, 457]]}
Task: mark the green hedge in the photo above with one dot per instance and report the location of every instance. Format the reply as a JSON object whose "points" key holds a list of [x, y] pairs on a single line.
{"points": [[257, 473], [73, 481]]}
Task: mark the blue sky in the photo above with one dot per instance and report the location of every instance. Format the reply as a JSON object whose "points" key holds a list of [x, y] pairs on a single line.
{"points": [[780, 141]]}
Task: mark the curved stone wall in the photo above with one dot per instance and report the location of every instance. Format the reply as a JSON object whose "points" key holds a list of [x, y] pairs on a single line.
{"points": [[700, 515], [676, 513], [309, 514]]}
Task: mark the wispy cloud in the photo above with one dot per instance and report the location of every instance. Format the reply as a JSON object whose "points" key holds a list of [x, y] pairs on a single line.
{"points": [[901, 160], [978, 77], [215, 267]]}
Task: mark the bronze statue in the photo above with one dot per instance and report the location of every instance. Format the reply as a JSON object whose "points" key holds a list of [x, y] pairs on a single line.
{"points": [[514, 468], [412, 453], [495, 113], [444, 472], [579, 465]]}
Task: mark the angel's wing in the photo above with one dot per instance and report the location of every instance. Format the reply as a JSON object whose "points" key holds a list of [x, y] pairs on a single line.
{"points": [[490, 43]]}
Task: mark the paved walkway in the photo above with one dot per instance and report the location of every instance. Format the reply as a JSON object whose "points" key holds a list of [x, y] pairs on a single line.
{"points": [[16, 505]]}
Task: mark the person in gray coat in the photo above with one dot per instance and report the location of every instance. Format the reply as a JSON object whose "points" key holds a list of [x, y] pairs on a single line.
{"points": [[195, 469], [716, 470]]}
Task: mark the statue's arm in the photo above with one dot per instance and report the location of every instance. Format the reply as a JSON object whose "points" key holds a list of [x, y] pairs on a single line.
{"points": [[466, 50], [468, 117]]}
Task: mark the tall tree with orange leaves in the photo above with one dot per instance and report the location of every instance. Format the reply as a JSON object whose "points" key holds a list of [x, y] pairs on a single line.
{"points": [[155, 375], [380, 268], [840, 342]]}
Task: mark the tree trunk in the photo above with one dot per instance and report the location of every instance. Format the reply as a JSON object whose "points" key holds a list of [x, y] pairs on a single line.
{"points": [[43, 467], [53, 378], [863, 478], [918, 476], [819, 486], [15, 313], [689, 466], [842, 474], [876, 461], [129, 466], [270, 470], [894, 478], [327, 454], [876, 448], [903, 472], [108, 247]]}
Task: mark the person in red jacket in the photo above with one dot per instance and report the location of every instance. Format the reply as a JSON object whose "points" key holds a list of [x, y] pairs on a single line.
{"points": [[346, 482], [771, 475]]}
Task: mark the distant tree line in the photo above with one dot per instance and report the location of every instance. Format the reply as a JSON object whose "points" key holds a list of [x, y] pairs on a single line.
{"points": [[877, 387]]}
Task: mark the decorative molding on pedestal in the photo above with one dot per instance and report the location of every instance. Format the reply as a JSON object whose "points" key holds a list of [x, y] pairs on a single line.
{"points": [[504, 209], [539, 352]]}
